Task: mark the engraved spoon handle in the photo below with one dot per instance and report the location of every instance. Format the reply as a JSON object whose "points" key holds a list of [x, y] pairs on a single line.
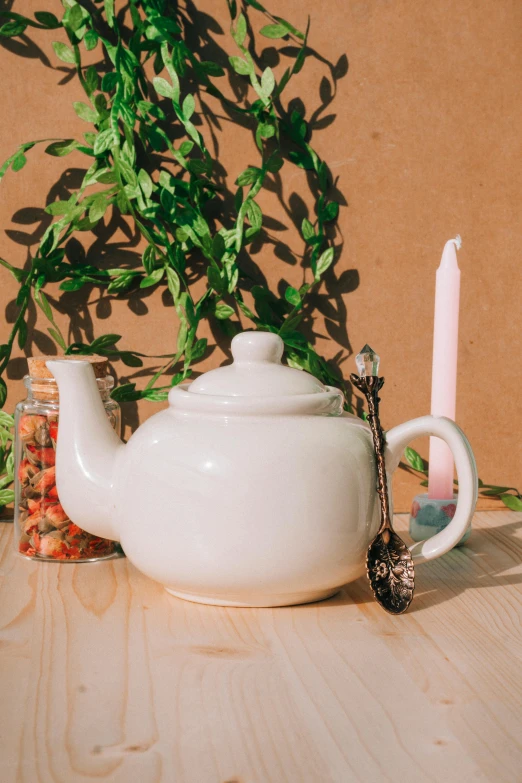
{"points": [[370, 386]]}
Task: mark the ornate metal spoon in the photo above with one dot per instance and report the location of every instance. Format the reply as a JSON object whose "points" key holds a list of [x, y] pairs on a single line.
{"points": [[388, 563]]}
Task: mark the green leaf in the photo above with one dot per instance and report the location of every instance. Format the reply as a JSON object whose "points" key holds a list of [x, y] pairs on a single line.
{"points": [[162, 87], [274, 163], [148, 259], [185, 147], [293, 296], [73, 18], [414, 459], [196, 352], [104, 141], [212, 69], [104, 342], [98, 208], [10, 29], [155, 395], [42, 300], [126, 392], [173, 283], [85, 112], [267, 81], [265, 130], [19, 161], [146, 183], [47, 19], [188, 107], [307, 229], [6, 420], [109, 81], [274, 31], [218, 246], [90, 39], [58, 207], [325, 260], [197, 167], [223, 311], [240, 66], [57, 337], [215, 280], [128, 172], [6, 496], [60, 148], [63, 52], [3, 392], [130, 359], [22, 334], [248, 176], [72, 285], [240, 32], [512, 502], [331, 211], [91, 79], [492, 491], [302, 158], [255, 215], [109, 12], [122, 283], [153, 278]]}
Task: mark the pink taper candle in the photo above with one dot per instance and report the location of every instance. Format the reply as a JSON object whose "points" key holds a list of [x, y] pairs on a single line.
{"points": [[444, 373]]}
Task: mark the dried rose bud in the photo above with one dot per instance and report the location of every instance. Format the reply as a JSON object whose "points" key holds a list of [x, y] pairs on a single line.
{"points": [[42, 437], [44, 525], [53, 429], [56, 515], [28, 424], [50, 546], [44, 480], [44, 457], [53, 493], [33, 454], [31, 523], [28, 492], [25, 471], [34, 505]]}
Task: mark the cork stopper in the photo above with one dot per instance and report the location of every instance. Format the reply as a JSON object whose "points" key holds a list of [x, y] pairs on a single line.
{"points": [[38, 369], [41, 380]]}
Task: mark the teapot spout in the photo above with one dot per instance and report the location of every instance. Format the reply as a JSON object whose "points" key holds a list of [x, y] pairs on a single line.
{"points": [[87, 450]]}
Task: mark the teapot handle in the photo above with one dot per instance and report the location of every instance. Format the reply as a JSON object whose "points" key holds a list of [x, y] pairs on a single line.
{"points": [[396, 441]]}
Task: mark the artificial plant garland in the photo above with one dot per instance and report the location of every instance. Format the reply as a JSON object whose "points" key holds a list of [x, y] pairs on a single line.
{"points": [[169, 190]]}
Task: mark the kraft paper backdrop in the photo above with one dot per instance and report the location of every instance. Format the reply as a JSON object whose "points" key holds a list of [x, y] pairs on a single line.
{"points": [[423, 138]]}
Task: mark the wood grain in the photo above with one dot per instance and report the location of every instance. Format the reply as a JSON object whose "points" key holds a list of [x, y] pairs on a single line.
{"points": [[104, 676]]}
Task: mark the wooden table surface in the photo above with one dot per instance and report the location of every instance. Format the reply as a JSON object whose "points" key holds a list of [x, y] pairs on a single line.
{"points": [[104, 676]]}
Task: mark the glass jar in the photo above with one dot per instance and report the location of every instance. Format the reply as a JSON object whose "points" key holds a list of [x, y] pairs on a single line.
{"points": [[43, 531]]}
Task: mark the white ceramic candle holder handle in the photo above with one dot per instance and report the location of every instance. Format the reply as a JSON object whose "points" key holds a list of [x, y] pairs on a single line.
{"points": [[396, 441]]}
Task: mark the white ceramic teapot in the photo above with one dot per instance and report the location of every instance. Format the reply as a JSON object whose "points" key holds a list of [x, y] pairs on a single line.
{"points": [[252, 489]]}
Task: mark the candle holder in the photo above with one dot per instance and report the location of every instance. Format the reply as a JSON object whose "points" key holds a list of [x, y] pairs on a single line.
{"points": [[389, 564], [429, 516]]}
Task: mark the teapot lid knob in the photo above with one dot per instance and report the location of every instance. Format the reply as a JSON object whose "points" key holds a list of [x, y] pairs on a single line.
{"points": [[256, 347]]}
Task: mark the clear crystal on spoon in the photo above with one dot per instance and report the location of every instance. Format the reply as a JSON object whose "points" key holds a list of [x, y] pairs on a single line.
{"points": [[367, 361]]}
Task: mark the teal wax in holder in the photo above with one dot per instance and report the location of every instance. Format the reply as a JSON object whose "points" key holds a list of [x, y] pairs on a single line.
{"points": [[430, 515]]}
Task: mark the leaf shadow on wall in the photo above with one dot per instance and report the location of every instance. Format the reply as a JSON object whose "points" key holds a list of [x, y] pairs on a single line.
{"points": [[116, 243]]}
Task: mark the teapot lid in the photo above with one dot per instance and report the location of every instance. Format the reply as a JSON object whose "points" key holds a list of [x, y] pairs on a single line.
{"points": [[257, 382]]}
